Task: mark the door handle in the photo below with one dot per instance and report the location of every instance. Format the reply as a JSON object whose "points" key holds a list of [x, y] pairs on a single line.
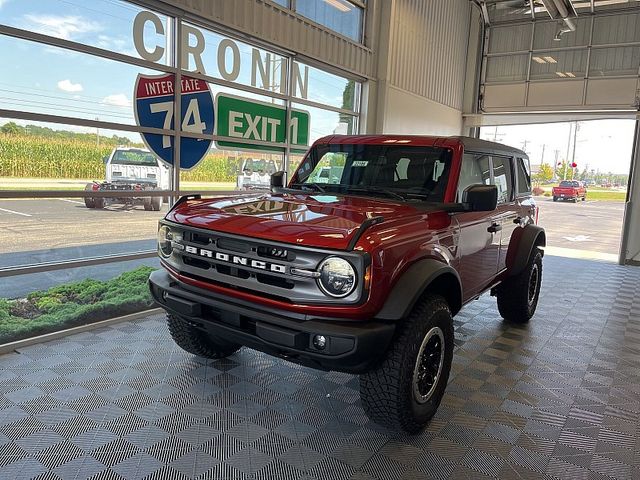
{"points": [[494, 228]]}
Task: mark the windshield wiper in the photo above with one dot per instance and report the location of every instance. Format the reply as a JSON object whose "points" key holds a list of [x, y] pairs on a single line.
{"points": [[315, 186], [372, 189]]}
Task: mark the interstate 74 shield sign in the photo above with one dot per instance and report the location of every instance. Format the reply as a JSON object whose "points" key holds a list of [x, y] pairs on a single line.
{"points": [[153, 105]]}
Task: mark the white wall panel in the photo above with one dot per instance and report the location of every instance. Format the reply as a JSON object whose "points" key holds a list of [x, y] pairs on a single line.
{"points": [[428, 45], [408, 113], [556, 94], [270, 23], [505, 95], [612, 91]]}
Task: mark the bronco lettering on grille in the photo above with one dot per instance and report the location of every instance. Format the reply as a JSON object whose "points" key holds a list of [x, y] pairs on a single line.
{"points": [[235, 259]]}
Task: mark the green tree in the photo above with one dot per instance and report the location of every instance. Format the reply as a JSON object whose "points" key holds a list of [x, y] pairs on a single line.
{"points": [[12, 128], [348, 102], [544, 175]]}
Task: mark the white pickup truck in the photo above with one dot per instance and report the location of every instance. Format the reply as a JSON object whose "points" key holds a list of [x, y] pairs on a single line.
{"points": [[130, 169]]}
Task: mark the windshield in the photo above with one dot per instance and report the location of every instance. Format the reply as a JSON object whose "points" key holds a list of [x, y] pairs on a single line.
{"points": [[569, 183], [385, 170], [134, 157]]}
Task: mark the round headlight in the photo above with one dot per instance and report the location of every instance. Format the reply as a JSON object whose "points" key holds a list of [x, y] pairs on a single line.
{"points": [[337, 277], [165, 238]]}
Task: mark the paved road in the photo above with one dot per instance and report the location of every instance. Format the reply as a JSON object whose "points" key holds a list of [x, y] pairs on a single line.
{"points": [[592, 225], [58, 229]]}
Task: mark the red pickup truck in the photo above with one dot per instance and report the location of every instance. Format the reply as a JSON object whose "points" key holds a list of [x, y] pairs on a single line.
{"points": [[569, 190]]}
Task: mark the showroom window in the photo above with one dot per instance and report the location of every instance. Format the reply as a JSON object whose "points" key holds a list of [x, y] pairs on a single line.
{"points": [[345, 17], [102, 118], [342, 16]]}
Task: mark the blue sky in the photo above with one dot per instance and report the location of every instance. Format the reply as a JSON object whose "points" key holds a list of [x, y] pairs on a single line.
{"points": [[42, 79]]}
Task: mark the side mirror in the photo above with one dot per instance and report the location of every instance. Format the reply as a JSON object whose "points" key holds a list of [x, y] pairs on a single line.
{"points": [[480, 198], [278, 180], [105, 159]]}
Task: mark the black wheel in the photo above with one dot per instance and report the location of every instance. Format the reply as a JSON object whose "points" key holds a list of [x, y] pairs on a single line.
{"points": [[88, 201], [156, 203], [405, 390], [518, 295], [555, 199], [584, 199], [98, 202], [146, 203], [198, 342]]}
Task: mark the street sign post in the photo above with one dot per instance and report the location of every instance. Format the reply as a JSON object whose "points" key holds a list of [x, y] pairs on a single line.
{"points": [[254, 120], [154, 103]]}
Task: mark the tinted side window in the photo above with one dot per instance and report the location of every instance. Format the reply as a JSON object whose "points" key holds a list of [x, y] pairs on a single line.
{"points": [[475, 169], [503, 179], [524, 180]]}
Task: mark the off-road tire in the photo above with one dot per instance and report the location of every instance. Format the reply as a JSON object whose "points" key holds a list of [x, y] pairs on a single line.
{"points": [[98, 202], [515, 303], [387, 391], [198, 342]]}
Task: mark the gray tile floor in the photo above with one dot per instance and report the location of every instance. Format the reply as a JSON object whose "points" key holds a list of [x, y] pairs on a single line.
{"points": [[557, 398]]}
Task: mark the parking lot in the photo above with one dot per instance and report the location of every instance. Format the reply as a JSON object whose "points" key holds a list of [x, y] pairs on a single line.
{"points": [[45, 230]]}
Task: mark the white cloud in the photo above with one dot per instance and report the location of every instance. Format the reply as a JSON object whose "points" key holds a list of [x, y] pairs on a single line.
{"points": [[117, 100], [68, 27], [68, 86], [2, 2]]}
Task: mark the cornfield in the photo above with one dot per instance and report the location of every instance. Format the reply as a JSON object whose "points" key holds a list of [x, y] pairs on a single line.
{"points": [[39, 157], [24, 156]]}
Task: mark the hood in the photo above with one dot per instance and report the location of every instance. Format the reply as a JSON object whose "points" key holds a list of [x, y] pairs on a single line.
{"points": [[323, 221]]}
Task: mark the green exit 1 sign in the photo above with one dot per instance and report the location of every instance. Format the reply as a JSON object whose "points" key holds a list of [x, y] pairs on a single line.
{"points": [[254, 120]]}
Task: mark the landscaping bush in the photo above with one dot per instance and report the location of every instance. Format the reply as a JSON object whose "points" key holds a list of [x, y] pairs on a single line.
{"points": [[538, 190], [74, 304]]}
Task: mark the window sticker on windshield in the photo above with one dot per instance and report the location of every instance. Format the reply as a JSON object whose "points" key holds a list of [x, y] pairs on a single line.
{"points": [[360, 163]]}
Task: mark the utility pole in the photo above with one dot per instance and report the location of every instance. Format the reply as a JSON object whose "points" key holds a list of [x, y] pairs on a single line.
{"points": [[97, 134], [575, 143], [544, 146]]}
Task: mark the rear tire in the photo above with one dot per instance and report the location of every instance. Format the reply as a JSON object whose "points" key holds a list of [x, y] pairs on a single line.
{"points": [[89, 202], [156, 203], [405, 390], [146, 203], [98, 202], [518, 295], [555, 199], [198, 342]]}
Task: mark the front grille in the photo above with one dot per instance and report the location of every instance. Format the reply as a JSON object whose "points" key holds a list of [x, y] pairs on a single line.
{"points": [[253, 265]]}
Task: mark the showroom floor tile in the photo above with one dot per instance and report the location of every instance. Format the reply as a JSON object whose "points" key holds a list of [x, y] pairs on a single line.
{"points": [[559, 397]]}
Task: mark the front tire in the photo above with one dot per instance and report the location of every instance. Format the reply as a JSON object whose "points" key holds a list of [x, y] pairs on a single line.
{"points": [[518, 295], [405, 390], [198, 342]]}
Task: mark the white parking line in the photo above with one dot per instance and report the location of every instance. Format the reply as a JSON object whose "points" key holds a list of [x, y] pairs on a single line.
{"points": [[17, 213], [70, 201]]}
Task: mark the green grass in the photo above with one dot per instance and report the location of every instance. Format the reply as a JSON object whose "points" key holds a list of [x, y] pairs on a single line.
{"points": [[74, 304], [596, 193], [606, 195]]}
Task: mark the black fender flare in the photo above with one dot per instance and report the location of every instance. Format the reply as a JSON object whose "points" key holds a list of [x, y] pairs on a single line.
{"points": [[522, 243], [415, 280]]}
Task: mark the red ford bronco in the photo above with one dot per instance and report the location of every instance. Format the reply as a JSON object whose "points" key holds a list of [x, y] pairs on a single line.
{"points": [[359, 270]]}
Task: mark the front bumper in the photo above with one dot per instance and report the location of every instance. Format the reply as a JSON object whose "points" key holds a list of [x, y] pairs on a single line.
{"points": [[352, 347]]}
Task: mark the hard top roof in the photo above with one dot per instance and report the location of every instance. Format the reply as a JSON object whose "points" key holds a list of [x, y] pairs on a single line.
{"points": [[469, 143]]}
